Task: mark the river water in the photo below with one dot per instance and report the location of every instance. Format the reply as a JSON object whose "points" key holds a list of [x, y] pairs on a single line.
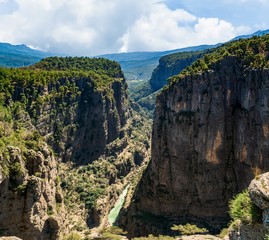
{"points": [[114, 212]]}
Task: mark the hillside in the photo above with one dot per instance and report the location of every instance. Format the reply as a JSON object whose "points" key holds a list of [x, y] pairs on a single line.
{"points": [[258, 34], [19, 55], [169, 65], [69, 139], [210, 139], [140, 65]]}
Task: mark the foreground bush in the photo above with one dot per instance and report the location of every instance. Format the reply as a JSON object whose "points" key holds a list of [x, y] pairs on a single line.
{"points": [[242, 208], [151, 237], [188, 229], [73, 236]]}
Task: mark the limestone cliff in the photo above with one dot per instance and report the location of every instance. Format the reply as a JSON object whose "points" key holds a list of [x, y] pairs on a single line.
{"points": [[171, 65], [77, 112], [210, 138], [67, 109], [30, 199]]}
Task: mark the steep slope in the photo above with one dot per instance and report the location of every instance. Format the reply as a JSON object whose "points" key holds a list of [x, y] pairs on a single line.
{"points": [[169, 66], [79, 106], [139, 65], [210, 138], [257, 34], [19, 55], [31, 200], [78, 110]]}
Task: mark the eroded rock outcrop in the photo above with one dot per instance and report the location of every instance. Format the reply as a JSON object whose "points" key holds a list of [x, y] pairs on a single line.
{"points": [[81, 120], [73, 107], [259, 194], [29, 207], [171, 65], [210, 138]]}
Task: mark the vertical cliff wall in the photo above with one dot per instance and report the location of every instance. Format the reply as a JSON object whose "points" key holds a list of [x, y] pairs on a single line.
{"points": [[171, 65], [31, 203], [80, 127], [78, 111], [210, 139], [50, 113]]}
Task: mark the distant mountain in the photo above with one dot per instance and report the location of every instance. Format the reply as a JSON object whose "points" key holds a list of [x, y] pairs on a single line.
{"points": [[258, 33], [140, 65], [20, 55]]}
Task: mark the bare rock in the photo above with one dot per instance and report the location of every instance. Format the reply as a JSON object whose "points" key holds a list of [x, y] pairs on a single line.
{"points": [[247, 232], [210, 136], [259, 191], [10, 238], [28, 207]]}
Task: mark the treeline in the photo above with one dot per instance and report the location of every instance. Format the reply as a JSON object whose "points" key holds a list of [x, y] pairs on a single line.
{"points": [[55, 70], [252, 53], [98, 65]]}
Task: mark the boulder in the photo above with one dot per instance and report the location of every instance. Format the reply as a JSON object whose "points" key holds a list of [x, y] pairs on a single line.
{"points": [[259, 191]]}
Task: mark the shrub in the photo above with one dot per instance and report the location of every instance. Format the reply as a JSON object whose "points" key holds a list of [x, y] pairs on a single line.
{"points": [[242, 208], [151, 237], [115, 230], [113, 233], [73, 236], [188, 229]]}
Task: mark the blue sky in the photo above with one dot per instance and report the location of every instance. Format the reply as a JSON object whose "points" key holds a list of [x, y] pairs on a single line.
{"points": [[252, 13], [92, 27]]}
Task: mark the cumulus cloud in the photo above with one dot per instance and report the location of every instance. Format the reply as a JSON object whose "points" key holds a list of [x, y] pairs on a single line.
{"points": [[163, 28], [91, 27]]}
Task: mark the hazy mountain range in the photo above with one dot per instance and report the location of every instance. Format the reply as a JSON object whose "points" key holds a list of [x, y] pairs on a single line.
{"points": [[135, 65]]}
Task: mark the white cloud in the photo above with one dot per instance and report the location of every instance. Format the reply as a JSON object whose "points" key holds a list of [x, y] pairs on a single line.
{"points": [[90, 27], [165, 29]]}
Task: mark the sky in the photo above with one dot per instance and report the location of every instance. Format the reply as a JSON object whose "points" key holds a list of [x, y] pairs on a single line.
{"points": [[94, 27]]}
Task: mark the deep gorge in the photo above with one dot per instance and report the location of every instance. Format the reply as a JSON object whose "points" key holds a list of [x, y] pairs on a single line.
{"points": [[72, 140]]}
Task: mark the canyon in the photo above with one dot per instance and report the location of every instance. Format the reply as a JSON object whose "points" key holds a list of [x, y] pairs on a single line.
{"points": [[209, 140], [72, 140]]}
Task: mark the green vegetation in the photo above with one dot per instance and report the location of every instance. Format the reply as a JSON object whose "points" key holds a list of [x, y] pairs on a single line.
{"points": [[13, 132], [40, 75], [241, 208], [73, 236], [188, 229], [85, 185], [145, 93], [19, 55], [140, 65], [98, 65], [251, 53], [152, 237], [25, 92], [113, 233], [224, 232], [176, 58]]}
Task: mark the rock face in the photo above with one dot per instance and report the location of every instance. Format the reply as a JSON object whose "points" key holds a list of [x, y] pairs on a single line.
{"points": [[259, 194], [28, 197], [259, 191], [73, 110], [79, 124], [248, 232], [210, 138], [171, 65]]}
